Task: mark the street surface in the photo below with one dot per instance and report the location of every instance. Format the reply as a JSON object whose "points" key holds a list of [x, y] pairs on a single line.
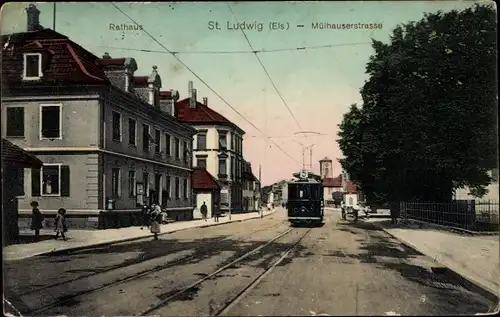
{"points": [[339, 269]]}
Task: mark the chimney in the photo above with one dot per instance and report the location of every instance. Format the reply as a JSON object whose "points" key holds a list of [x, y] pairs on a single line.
{"points": [[106, 56], [33, 18], [192, 101], [190, 88], [205, 101]]}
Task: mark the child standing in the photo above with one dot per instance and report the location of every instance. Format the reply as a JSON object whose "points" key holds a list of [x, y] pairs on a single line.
{"points": [[60, 223]]}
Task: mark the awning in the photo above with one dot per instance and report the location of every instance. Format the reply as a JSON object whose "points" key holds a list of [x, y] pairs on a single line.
{"points": [[14, 155]]}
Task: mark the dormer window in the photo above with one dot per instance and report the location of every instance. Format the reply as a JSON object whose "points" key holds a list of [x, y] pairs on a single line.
{"points": [[32, 66]]}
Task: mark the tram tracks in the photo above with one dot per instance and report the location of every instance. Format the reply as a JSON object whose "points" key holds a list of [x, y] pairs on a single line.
{"points": [[17, 299], [228, 304]]}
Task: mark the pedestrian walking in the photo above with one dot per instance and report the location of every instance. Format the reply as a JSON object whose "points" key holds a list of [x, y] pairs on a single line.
{"points": [[204, 211], [216, 215], [36, 220], [394, 212], [146, 216], [155, 220], [60, 223]]}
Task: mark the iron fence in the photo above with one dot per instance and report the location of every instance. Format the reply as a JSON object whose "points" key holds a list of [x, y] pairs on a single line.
{"points": [[466, 214]]}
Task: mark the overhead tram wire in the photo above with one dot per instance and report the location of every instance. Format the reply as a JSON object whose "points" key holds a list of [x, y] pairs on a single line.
{"points": [[264, 68], [273, 50], [200, 79]]}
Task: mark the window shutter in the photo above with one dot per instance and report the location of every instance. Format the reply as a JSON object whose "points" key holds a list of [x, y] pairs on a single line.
{"points": [[35, 182], [65, 180]]}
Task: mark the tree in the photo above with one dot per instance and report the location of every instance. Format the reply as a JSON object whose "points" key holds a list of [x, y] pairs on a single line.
{"points": [[428, 120]]}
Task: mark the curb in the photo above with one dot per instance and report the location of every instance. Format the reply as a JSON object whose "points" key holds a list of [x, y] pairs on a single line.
{"points": [[469, 282], [451, 228], [108, 243]]}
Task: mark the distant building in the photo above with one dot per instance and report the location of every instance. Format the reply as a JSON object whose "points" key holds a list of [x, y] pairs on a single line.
{"points": [[217, 147], [331, 186], [326, 169], [106, 142], [251, 189]]}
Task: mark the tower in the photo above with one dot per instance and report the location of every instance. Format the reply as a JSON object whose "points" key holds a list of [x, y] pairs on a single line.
{"points": [[325, 168]]}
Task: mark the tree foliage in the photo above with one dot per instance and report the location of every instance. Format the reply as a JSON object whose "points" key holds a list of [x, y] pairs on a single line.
{"points": [[428, 120]]}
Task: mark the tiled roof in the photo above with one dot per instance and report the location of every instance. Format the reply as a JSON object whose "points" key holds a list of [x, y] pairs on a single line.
{"points": [[62, 59], [111, 61], [333, 182], [203, 180], [13, 154], [200, 114], [351, 188]]}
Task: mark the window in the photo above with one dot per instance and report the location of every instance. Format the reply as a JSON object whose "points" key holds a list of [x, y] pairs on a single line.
{"points": [[145, 137], [168, 146], [169, 188], [202, 141], [232, 135], [222, 166], [132, 132], [32, 66], [186, 152], [201, 162], [157, 141], [131, 183], [177, 148], [177, 188], [115, 182], [50, 180], [185, 188], [117, 126], [50, 122], [15, 122], [222, 140]]}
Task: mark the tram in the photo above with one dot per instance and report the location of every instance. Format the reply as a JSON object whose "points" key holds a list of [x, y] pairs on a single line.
{"points": [[305, 201]]}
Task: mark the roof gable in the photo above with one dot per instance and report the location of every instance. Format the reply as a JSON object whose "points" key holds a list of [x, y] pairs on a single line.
{"points": [[201, 114], [62, 59], [203, 180]]}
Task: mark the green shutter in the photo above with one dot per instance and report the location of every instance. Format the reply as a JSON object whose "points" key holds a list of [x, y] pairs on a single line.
{"points": [[65, 180], [35, 182]]}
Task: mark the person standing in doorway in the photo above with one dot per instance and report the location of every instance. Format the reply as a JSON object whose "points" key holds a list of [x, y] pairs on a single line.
{"points": [[60, 223], [204, 211], [36, 220]]}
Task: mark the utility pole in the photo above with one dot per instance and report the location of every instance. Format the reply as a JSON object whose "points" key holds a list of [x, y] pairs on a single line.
{"points": [[260, 193], [54, 18]]}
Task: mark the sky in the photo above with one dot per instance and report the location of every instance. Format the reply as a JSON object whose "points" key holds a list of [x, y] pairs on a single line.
{"points": [[318, 83]]}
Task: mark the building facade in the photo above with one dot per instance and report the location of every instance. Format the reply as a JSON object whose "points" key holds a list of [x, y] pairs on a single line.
{"points": [[251, 189], [105, 140], [217, 147]]}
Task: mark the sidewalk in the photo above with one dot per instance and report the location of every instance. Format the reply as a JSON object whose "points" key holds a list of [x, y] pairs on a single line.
{"points": [[80, 239], [475, 258]]}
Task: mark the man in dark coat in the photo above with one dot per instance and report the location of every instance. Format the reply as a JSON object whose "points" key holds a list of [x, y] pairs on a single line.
{"points": [[145, 213], [36, 220], [204, 211], [395, 212]]}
